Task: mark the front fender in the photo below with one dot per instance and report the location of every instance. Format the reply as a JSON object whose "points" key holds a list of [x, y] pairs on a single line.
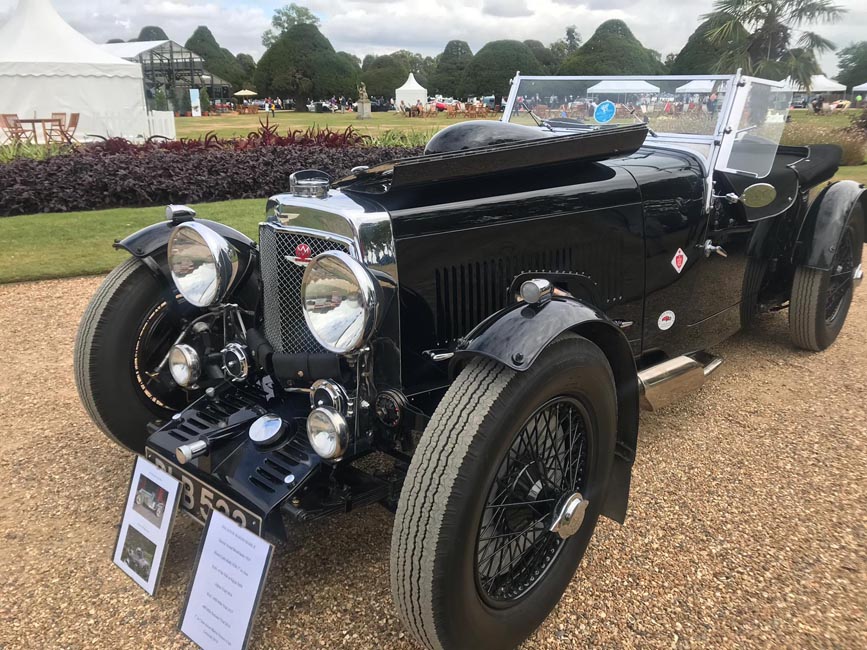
{"points": [[826, 220], [149, 245], [155, 237], [516, 335]]}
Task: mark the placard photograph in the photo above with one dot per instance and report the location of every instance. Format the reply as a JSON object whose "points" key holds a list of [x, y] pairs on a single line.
{"points": [[138, 552], [149, 512], [150, 500]]}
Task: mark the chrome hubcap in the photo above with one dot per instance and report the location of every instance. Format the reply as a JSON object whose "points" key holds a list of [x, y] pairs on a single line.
{"points": [[570, 515]]}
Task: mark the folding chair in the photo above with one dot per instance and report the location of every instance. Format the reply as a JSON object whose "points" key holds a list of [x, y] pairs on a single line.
{"points": [[15, 131], [54, 129]]}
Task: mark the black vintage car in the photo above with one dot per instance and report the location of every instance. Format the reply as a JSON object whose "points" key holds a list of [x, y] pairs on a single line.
{"points": [[467, 337]]}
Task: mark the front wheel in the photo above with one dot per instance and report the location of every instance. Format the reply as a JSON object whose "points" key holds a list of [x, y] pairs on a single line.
{"points": [[125, 332], [821, 299], [502, 497]]}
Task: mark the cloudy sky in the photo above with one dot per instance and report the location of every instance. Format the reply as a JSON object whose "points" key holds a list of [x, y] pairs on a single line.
{"points": [[381, 26]]}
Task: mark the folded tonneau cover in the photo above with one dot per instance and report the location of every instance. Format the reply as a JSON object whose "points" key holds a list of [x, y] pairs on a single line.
{"points": [[591, 145]]}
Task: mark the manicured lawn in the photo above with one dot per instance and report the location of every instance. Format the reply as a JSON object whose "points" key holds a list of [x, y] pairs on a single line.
{"points": [[228, 125], [41, 246]]}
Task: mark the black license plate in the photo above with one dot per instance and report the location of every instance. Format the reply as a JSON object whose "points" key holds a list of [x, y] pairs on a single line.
{"points": [[198, 499]]}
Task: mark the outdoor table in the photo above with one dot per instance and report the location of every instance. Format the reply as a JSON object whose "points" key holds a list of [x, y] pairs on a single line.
{"points": [[34, 121]]}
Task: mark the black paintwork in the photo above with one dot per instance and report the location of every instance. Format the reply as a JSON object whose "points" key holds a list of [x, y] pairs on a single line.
{"points": [[605, 231], [828, 217]]}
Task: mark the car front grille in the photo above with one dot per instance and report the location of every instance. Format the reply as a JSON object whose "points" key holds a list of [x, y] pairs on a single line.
{"points": [[285, 328]]}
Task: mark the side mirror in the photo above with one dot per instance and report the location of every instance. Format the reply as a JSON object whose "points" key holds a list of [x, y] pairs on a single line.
{"points": [[758, 195]]}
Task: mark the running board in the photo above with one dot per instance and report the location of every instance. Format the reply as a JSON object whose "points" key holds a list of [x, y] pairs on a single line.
{"points": [[667, 382]]}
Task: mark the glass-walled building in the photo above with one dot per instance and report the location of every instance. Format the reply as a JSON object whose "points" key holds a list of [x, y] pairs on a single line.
{"points": [[173, 69]]}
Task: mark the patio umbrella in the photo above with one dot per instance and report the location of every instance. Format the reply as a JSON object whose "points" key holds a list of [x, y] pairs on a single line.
{"points": [[245, 93]]}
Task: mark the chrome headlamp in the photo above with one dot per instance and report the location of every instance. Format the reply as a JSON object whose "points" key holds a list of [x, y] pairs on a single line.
{"points": [[203, 263], [340, 302]]}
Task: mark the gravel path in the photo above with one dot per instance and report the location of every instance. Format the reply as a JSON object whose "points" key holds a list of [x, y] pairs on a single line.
{"points": [[747, 524]]}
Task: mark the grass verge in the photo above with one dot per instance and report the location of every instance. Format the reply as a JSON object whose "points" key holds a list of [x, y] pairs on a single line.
{"points": [[60, 245]]}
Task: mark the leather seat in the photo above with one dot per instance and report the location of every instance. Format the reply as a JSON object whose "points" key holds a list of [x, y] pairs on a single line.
{"points": [[820, 165]]}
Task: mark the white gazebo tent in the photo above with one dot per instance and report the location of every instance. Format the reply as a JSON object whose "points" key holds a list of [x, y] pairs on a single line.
{"points": [[410, 92], [818, 84], [696, 86], [862, 87], [623, 87], [46, 66]]}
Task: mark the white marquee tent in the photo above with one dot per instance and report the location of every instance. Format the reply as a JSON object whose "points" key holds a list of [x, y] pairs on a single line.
{"points": [[861, 87], [819, 84], [700, 86], [410, 92], [622, 87], [46, 66]]}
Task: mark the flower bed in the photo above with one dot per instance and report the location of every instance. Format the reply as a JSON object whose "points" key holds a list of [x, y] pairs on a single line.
{"points": [[117, 173]]}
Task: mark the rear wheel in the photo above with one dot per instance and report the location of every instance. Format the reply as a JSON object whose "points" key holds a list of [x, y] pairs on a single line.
{"points": [[502, 497], [821, 299], [126, 330]]}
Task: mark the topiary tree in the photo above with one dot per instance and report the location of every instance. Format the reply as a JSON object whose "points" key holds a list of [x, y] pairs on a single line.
{"points": [[183, 104], [217, 60], [161, 102], [248, 68], [448, 78], [383, 74], [699, 55], [205, 100], [495, 64], [543, 55], [612, 50], [303, 65], [151, 33]]}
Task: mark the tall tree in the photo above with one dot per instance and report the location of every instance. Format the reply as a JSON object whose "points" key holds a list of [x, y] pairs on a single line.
{"points": [[852, 61], [448, 78], [495, 64], [151, 33], [700, 55], [217, 60], [286, 17], [613, 50], [757, 36], [564, 47], [303, 65]]}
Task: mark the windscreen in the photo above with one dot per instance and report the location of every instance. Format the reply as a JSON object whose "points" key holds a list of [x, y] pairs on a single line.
{"points": [[756, 123], [669, 105]]}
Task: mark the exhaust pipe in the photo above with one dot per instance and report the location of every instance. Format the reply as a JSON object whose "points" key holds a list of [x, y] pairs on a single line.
{"points": [[667, 382]]}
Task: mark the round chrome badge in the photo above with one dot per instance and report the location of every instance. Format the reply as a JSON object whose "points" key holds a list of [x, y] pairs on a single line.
{"points": [[267, 429]]}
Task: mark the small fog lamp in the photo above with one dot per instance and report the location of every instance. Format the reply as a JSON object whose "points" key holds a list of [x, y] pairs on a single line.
{"points": [[184, 365], [327, 432]]}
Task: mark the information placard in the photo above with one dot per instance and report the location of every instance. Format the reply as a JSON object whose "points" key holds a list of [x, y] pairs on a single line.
{"points": [[148, 517], [227, 584]]}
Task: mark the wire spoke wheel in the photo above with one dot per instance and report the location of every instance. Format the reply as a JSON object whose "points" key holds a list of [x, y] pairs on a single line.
{"points": [[546, 462], [154, 340], [840, 281]]}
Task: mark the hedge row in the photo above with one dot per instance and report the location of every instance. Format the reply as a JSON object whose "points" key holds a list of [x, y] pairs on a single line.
{"points": [[83, 181]]}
